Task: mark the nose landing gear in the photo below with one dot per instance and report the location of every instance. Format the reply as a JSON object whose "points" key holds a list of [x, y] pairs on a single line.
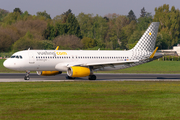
{"points": [[27, 75]]}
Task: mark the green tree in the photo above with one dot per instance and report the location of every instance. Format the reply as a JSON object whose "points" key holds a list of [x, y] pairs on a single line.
{"points": [[3, 13], [67, 12], [58, 19], [73, 26], [49, 33], [25, 15], [18, 10], [44, 14], [143, 12], [88, 42], [144, 21], [29, 41], [11, 18], [61, 29], [134, 38], [169, 24], [131, 16], [86, 23]]}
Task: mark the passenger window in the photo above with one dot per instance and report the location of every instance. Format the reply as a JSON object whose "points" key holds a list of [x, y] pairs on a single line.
{"points": [[20, 57]]}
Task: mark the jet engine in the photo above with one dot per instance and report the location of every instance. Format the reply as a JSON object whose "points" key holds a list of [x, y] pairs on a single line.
{"points": [[48, 73], [77, 71]]}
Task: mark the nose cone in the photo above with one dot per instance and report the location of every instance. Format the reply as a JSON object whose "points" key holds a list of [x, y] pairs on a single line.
{"points": [[6, 64]]}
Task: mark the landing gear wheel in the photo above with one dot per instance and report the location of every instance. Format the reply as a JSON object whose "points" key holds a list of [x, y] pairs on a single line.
{"points": [[92, 77], [26, 78], [68, 77], [27, 75]]}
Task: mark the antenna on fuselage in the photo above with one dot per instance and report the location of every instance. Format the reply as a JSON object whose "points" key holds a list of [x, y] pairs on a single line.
{"points": [[28, 48], [98, 49]]}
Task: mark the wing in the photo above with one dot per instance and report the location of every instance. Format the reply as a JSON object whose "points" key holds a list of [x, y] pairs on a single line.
{"points": [[103, 64], [109, 63]]}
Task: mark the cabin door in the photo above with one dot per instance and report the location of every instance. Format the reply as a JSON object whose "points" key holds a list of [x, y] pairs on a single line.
{"points": [[31, 58]]}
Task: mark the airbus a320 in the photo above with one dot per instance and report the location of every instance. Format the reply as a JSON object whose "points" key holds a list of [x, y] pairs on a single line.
{"points": [[82, 63]]}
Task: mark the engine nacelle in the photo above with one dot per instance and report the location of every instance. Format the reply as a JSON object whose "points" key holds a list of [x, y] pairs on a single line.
{"points": [[48, 73], [77, 71]]}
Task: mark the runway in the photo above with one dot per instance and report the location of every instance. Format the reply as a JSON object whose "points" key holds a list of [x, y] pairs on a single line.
{"points": [[19, 77]]}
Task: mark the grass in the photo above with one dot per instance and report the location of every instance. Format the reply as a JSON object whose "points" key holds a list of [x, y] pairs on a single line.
{"points": [[90, 100], [171, 67]]}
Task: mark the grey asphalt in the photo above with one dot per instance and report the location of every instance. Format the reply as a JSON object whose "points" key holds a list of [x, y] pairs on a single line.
{"points": [[19, 77]]}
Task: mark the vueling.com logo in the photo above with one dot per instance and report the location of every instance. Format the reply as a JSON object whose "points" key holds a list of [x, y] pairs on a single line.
{"points": [[61, 53]]}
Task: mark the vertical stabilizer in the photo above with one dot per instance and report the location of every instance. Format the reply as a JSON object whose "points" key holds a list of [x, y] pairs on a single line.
{"points": [[148, 40]]}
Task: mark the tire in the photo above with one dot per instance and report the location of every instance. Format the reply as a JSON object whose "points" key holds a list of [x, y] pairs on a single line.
{"points": [[92, 77], [67, 77], [26, 78]]}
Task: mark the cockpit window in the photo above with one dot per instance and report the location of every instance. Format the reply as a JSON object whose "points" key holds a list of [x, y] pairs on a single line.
{"points": [[17, 56], [13, 56]]}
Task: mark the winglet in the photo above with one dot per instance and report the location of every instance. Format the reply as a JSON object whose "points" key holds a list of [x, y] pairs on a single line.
{"points": [[57, 48], [152, 55]]}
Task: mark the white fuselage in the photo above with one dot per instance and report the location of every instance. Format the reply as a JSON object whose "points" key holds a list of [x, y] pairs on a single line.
{"points": [[51, 60]]}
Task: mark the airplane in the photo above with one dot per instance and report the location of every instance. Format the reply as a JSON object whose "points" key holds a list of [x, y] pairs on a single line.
{"points": [[82, 63]]}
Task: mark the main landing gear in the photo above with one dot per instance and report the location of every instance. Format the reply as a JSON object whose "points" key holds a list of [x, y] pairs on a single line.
{"points": [[68, 77], [27, 75], [92, 77]]}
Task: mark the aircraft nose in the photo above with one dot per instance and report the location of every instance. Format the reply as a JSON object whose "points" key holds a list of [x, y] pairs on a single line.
{"points": [[6, 64]]}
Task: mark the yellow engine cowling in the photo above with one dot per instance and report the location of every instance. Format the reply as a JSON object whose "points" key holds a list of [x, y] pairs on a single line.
{"points": [[48, 73], [77, 71]]}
